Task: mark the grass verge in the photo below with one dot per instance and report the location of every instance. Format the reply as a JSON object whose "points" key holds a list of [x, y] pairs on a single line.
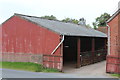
{"points": [[116, 75], [28, 66]]}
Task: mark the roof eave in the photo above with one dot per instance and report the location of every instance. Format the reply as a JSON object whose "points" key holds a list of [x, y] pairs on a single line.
{"points": [[114, 15], [85, 36]]}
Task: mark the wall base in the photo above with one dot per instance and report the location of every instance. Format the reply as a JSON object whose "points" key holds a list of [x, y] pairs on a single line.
{"points": [[53, 61], [113, 64], [22, 57]]}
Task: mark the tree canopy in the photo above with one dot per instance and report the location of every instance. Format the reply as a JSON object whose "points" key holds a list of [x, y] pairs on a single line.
{"points": [[49, 17], [101, 21], [88, 26], [70, 20]]}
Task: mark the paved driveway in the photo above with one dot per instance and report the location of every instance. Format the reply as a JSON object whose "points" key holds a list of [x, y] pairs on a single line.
{"points": [[92, 71], [8, 73]]}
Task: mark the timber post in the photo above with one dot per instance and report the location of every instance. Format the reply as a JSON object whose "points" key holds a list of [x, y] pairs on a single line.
{"points": [[78, 53], [93, 49]]}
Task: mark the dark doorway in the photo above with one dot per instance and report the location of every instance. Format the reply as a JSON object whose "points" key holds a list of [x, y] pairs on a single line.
{"points": [[70, 51], [86, 44], [92, 50], [86, 51]]}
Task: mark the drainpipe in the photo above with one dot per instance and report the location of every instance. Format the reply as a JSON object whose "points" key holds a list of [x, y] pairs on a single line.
{"points": [[58, 45], [108, 39]]}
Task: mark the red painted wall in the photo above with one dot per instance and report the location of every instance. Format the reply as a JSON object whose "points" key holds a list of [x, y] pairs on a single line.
{"points": [[114, 36], [113, 59], [24, 41], [22, 36], [119, 34]]}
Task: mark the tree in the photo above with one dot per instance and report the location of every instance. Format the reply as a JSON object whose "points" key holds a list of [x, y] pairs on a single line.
{"points": [[88, 26], [66, 20], [75, 21], [49, 17], [94, 25], [101, 21]]}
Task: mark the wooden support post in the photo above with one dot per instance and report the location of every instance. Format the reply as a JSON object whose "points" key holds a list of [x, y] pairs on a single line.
{"points": [[78, 53], [105, 44], [93, 48], [62, 57]]}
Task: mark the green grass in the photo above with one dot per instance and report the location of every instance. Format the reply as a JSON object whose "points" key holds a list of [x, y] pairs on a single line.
{"points": [[0, 64], [50, 70], [28, 66], [116, 75]]}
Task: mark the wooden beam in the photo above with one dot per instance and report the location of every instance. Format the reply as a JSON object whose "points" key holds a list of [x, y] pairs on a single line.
{"points": [[93, 49], [93, 44], [105, 44], [78, 53]]}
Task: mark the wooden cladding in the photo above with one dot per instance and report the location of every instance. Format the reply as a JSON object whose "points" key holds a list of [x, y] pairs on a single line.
{"points": [[53, 61]]}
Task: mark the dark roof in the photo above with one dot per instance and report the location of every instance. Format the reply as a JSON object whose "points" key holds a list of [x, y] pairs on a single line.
{"points": [[63, 28], [115, 14]]}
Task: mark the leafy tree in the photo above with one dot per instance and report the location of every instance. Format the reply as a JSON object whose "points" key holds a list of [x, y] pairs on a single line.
{"points": [[75, 21], [88, 26], [66, 20], [101, 21], [49, 17], [94, 25]]}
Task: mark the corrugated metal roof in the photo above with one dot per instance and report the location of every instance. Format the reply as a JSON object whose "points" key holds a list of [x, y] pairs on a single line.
{"points": [[63, 28]]}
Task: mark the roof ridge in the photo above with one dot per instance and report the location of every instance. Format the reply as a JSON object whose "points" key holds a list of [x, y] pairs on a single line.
{"points": [[68, 29], [17, 14]]}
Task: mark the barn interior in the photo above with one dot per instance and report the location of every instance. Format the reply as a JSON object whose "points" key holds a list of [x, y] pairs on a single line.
{"points": [[69, 51], [92, 50]]}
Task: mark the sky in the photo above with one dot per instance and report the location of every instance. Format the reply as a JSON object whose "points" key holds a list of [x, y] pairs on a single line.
{"points": [[88, 9]]}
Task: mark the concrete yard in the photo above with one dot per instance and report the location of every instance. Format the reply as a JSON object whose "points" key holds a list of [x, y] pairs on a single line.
{"points": [[93, 70]]}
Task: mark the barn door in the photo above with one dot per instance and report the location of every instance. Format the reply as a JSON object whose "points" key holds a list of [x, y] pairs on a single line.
{"points": [[53, 61]]}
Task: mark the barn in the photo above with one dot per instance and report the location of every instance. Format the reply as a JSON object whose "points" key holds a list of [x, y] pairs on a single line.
{"points": [[51, 43], [113, 58]]}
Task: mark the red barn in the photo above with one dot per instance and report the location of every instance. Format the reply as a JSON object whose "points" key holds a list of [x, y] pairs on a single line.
{"points": [[113, 58], [51, 43]]}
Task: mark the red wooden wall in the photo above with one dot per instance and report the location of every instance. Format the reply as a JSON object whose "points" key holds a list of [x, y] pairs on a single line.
{"points": [[22, 40], [21, 36]]}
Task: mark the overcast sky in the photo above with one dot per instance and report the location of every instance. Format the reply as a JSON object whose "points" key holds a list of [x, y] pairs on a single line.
{"points": [[89, 9]]}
